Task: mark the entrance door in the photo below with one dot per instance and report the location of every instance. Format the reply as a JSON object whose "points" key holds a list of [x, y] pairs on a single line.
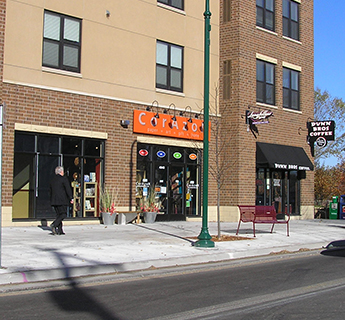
{"points": [[45, 171], [192, 193], [176, 190], [161, 185]]}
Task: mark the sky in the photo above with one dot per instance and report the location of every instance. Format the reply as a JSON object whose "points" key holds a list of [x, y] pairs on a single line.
{"points": [[329, 50], [329, 47]]}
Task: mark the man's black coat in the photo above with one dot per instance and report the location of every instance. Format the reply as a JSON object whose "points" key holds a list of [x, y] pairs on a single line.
{"points": [[60, 191]]}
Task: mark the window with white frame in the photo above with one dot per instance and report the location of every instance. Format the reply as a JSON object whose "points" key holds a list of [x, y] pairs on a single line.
{"points": [[265, 14], [291, 91], [169, 66], [265, 82], [291, 19], [179, 4], [61, 42]]}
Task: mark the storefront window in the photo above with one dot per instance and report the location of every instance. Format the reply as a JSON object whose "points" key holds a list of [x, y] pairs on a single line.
{"points": [[35, 158], [174, 172], [294, 191], [278, 188]]}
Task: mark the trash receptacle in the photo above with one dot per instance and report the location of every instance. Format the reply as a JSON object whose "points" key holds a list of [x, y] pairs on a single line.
{"points": [[333, 208], [342, 207]]}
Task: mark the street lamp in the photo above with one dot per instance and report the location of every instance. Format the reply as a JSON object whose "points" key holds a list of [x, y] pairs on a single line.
{"points": [[204, 236]]}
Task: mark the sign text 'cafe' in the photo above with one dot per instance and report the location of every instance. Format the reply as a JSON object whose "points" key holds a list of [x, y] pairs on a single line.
{"points": [[167, 125]]}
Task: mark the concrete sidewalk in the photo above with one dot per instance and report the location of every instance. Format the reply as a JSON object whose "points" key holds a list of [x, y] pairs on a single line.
{"points": [[30, 254]]}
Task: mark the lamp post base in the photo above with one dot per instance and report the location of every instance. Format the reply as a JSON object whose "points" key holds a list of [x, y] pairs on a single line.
{"points": [[204, 240]]}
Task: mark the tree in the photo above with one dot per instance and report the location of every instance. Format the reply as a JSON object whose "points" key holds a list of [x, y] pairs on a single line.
{"points": [[329, 181], [327, 107], [219, 164]]}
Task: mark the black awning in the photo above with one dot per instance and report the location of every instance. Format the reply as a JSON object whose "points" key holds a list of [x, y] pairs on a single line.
{"points": [[277, 156]]}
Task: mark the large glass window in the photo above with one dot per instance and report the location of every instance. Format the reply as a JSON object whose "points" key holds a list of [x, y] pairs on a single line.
{"points": [[291, 19], [291, 92], [61, 42], [265, 82], [169, 66], [35, 158], [265, 14], [173, 3], [278, 188]]}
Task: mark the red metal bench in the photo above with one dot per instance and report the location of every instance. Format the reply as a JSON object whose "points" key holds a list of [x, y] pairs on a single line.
{"points": [[261, 214]]}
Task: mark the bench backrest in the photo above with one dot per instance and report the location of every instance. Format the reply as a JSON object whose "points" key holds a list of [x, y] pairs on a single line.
{"points": [[263, 213], [247, 213]]}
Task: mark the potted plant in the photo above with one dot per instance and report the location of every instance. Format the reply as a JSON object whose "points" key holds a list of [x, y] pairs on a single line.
{"points": [[149, 206], [107, 200]]}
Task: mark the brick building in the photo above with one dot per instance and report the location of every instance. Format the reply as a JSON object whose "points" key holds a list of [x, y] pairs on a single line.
{"points": [[266, 66], [113, 91]]}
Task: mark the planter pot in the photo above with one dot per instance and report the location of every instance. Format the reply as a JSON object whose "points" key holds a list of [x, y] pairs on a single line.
{"points": [[108, 218], [150, 217]]}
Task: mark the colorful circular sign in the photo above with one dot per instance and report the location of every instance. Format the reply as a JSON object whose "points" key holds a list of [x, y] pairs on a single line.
{"points": [[192, 156], [143, 152], [161, 154], [177, 155]]}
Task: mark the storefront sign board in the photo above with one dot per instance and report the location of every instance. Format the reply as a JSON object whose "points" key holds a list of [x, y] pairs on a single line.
{"points": [[146, 122]]}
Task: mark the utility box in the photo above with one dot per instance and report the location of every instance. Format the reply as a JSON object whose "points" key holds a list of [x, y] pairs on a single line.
{"points": [[342, 207], [334, 207]]}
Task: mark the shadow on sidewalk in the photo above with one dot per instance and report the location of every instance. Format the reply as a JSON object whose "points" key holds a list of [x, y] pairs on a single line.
{"points": [[167, 233]]}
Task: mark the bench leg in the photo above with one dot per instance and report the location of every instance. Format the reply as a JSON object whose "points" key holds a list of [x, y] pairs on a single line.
{"points": [[238, 227], [254, 229], [272, 227], [287, 229]]}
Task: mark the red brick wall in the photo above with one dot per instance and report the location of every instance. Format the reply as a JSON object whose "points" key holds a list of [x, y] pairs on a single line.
{"points": [[240, 41], [64, 110]]}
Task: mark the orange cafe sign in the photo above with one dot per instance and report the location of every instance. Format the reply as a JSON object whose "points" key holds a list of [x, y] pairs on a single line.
{"points": [[146, 122]]}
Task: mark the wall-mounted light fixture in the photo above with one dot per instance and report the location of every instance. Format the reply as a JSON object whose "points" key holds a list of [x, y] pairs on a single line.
{"points": [[173, 105], [148, 108], [125, 123], [197, 115], [190, 114], [107, 13]]}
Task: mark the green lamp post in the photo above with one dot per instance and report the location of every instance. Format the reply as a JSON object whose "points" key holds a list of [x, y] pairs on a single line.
{"points": [[204, 236]]}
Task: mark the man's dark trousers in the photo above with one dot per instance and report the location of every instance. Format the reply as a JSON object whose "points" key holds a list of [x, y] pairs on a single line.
{"points": [[61, 213]]}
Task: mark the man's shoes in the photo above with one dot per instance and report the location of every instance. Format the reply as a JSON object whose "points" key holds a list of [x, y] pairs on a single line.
{"points": [[61, 233], [53, 229]]}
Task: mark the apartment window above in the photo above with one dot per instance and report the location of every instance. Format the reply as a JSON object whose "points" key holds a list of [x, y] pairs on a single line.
{"points": [[61, 42], [169, 66], [265, 14], [291, 92], [227, 79], [291, 19], [226, 10], [179, 4], [265, 82]]}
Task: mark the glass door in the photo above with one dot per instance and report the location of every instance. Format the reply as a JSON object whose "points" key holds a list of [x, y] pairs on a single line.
{"points": [[161, 183], [45, 172], [176, 190], [192, 191]]}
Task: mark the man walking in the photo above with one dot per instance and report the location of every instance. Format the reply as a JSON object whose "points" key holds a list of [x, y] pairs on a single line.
{"points": [[60, 198]]}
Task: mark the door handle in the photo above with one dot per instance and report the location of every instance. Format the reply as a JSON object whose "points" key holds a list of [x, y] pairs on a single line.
{"points": [[36, 177]]}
